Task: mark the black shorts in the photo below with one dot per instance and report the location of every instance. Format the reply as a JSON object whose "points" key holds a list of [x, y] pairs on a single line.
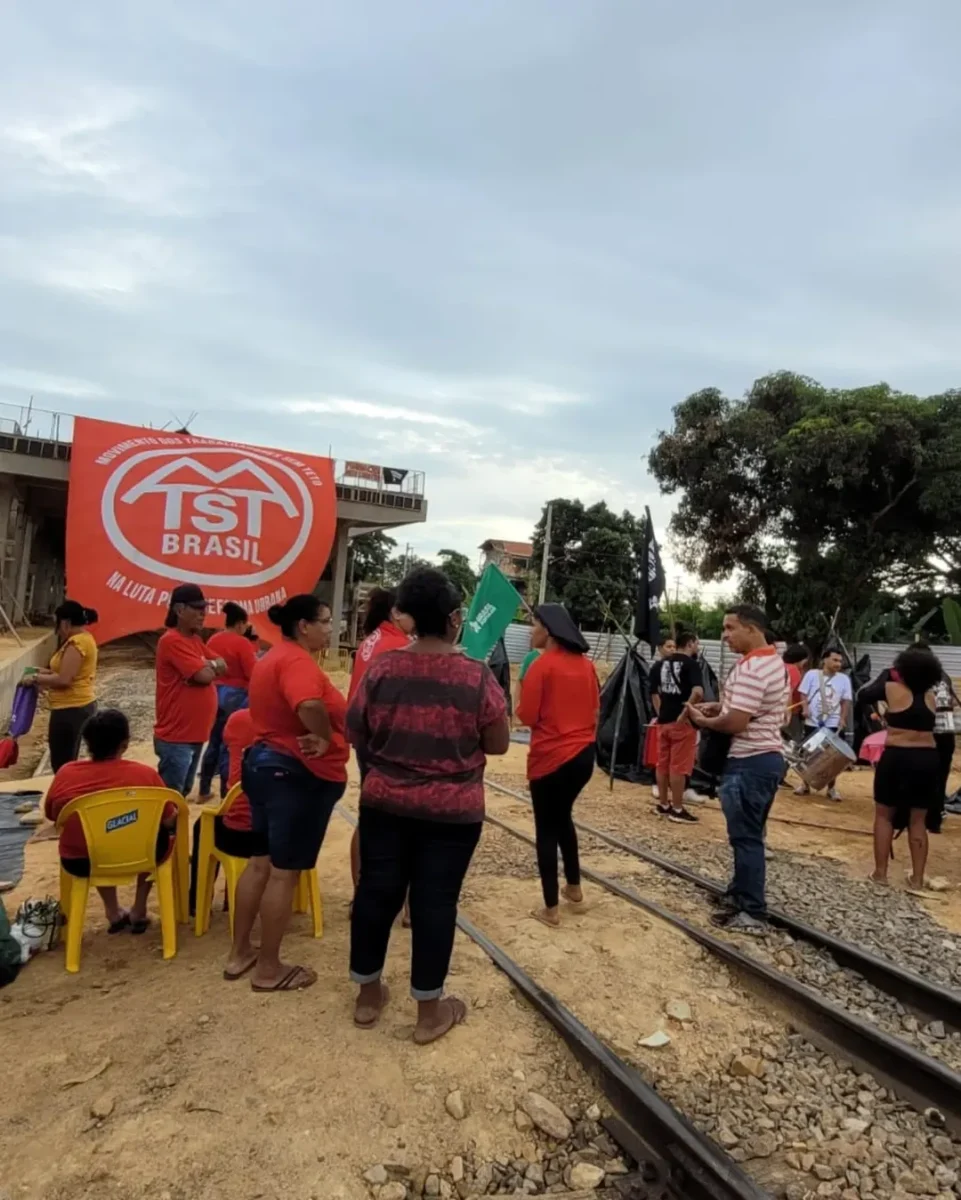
{"points": [[79, 868], [289, 806], [909, 778], [238, 843]]}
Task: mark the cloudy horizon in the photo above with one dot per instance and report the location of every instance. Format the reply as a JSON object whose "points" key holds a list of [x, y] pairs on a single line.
{"points": [[494, 243]]}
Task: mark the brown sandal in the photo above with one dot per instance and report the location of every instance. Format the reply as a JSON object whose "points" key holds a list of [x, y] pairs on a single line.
{"points": [[458, 1015], [296, 979]]}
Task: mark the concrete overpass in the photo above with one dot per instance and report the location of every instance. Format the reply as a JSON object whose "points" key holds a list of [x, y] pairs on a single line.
{"points": [[35, 478]]}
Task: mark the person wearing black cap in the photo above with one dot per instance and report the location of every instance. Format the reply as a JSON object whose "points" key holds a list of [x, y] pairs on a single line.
{"points": [[186, 704], [559, 700]]}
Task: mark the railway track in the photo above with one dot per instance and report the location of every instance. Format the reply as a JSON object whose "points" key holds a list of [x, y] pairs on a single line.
{"points": [[935, 1002], [922, 1080], [673, 1158]]}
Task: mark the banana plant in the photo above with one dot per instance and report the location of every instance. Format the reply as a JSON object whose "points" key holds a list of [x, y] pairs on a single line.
{"points": [[951, 611]]}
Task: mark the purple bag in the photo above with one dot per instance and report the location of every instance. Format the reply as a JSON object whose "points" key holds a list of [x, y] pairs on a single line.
{"points": [[24, 708]]}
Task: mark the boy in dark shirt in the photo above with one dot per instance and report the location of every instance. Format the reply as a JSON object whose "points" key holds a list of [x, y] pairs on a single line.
{"points": [[680, 683]]}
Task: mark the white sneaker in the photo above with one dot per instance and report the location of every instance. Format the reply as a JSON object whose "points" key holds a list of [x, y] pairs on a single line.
{"points": [[833, 793], [692, 797], [656, 792]]}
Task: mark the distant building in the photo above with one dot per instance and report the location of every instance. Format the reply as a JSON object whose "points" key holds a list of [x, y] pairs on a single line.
{"points": [[513, 558]]}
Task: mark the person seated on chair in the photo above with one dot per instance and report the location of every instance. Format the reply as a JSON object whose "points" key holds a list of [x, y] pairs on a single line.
{"points": [[106, 735], [234, 832]]}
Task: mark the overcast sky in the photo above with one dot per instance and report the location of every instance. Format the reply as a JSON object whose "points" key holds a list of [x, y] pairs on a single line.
{"points": [[495, 242]]}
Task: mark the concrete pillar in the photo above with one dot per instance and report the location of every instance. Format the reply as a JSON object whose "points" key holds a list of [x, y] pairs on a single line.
{"points": [[339, 572], [8, 568], [24, 554]]}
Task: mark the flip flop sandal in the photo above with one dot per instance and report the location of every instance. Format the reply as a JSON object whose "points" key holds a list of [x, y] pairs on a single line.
{"points": [[539, 916], [139, 926], [296, 979], [119, 925], [458, 1015], [575, 905], [233, 976], [369, 1021]]}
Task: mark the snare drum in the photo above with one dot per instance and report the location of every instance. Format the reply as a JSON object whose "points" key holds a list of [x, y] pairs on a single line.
{"points": [[822, 758]]}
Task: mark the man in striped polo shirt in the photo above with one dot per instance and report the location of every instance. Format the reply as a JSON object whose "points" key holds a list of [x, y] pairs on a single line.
{"points": [[752, 710]]}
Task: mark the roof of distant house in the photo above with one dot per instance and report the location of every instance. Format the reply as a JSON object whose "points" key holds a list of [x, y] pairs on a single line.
{"points": [[517, 549]]}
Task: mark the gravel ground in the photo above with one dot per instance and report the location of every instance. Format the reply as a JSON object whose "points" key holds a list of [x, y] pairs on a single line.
{"points": [[805, 963], [840, 1134], [801, 1122]]}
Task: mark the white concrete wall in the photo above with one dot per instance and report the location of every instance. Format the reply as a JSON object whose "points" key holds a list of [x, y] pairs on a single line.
{"points": [[36, 655]]}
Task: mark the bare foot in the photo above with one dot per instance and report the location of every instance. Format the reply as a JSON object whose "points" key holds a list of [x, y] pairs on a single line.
{"points": [[437, 1018], [573, 894], [370, 1004], [240, 964], [547, 916], [875, 878]]}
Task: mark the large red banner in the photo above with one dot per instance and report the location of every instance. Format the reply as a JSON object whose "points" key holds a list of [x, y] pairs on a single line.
{"points": [[147, 510]]}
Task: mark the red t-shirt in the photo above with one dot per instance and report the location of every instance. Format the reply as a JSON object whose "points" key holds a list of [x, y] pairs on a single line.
{"points": [[385, 637], [238, 653], [84, 776], [417, 719], [185, 711], [285, 677], [238, 735], [560, 699], [794, 678]]}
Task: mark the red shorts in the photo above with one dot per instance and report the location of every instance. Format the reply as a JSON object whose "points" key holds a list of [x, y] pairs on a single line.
{"points": [[677, 748]]}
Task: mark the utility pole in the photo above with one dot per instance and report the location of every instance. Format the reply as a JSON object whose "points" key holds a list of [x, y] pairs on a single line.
{"points": [[542, 593]]}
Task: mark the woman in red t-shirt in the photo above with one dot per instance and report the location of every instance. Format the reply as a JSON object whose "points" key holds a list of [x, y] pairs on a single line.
{"points": [[293, 774], [560, 699], [239, 653], [106, 735], [384, 629]]}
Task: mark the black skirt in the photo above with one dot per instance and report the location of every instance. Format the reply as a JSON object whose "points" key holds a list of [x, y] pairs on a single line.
{"points": [[909, 777]]}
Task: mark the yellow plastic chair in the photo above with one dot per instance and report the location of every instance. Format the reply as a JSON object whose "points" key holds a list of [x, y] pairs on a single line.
{"points": [[307, 897], [120, 827]]}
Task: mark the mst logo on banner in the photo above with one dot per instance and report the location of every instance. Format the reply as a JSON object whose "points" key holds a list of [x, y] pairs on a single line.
{"points": [[147, 511]]}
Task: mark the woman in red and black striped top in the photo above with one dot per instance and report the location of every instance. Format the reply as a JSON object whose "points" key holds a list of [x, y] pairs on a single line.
{"points": [[423, 720]]}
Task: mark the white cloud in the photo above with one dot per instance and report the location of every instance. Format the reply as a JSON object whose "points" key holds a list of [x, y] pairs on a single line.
{"points": [[367, 410], [102, 264], [53, 385]]}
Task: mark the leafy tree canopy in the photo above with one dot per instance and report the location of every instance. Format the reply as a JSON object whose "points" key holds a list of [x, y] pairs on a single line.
{"points": [[369, 553], [821, 499], [457, 568], [593, 555]]}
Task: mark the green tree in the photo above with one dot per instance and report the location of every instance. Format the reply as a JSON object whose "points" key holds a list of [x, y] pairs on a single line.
{"points": [[457, 568], [593, 560], [369, 554], [820, 499], [401, 565]]}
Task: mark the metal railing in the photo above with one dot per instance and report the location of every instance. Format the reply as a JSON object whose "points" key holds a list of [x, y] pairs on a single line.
{"points": [[373, 478], [39, 424]]}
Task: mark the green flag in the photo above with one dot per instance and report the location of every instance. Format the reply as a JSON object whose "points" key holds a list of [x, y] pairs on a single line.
{"points": [[491, 610]]}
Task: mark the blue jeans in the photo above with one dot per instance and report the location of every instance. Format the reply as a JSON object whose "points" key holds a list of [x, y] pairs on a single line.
{"points": [[177, 764], [289, 806], [748, 787], [214, 762]]}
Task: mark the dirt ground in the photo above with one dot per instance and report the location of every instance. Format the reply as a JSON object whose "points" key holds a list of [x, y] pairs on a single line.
{"points": [[203, 1090]]}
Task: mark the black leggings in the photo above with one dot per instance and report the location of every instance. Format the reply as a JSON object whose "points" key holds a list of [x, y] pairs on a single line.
{"points": [[63, 733], [553, 796]]}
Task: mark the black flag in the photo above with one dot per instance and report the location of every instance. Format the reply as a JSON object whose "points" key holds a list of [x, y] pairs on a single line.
{"points": [[650, 588]]}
